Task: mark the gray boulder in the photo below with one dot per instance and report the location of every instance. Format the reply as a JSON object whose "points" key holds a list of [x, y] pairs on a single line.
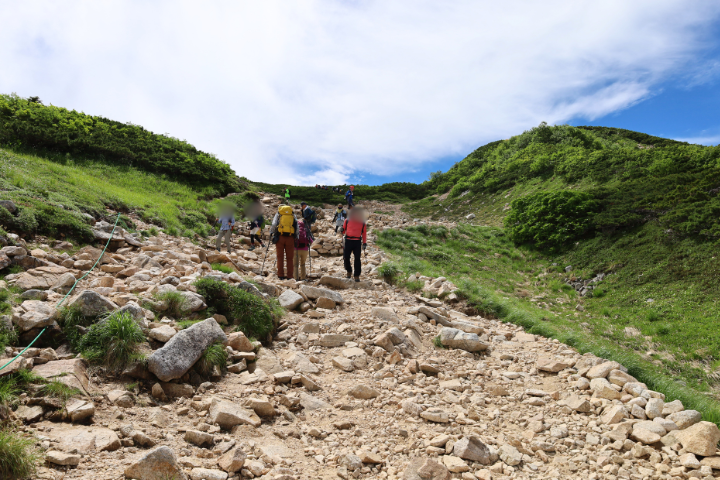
{"points": [[8, 205], [4, 261], [35, 314], [193, 301], [454, 338], [158, 464], [34, 295], [176, 357], [92, 304], [290, 300], [314, 293], [473, 449]]}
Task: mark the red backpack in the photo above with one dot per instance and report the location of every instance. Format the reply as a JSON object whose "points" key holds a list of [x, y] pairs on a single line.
{"points": [[304, 236]]}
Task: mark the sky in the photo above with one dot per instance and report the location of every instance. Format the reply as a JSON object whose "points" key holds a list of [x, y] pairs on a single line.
{"points": [[320, 91]]}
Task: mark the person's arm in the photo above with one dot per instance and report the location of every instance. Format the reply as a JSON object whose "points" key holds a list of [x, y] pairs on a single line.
{"points": [[274, 225], [364, 233], [295, 228]]}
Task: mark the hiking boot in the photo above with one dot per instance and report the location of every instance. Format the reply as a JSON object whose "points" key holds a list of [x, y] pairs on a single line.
{"points": [[251, 248], [349, 275], [217, 250], [357, 279]]}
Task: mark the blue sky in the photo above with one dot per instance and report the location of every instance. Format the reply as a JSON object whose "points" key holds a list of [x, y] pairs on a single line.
{"points": [[320, 91]]}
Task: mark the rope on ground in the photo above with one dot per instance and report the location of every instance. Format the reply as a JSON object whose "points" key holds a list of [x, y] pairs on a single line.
{"points": [[68, 294]]}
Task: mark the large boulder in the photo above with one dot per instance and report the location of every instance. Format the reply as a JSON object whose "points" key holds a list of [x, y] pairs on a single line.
{"points": [[40, 278], [92, 304], [176, 357], [158, 464], [314, 293], [71, 372], [473, 449], [426, 469], [345, 283], [454, 338], [228, 414], [35, 314], [290, 300], [700, 439]]}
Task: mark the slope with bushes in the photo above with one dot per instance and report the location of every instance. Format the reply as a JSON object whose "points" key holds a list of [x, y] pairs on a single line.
{"points": [[640, 211], [397, 192]]}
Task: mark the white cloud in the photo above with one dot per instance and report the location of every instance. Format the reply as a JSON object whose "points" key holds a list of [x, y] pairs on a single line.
{"points": [[703, 140], [320, 91]]}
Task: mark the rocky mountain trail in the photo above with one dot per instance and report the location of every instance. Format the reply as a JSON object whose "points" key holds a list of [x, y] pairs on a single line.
{"points": [[360, 380]]}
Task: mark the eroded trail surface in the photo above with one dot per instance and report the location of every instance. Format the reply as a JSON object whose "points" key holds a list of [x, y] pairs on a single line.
{"points": [[354, 385]]}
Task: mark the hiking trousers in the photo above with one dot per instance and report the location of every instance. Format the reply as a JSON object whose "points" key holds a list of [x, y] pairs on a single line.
{"points": [[218, 241], [301, 257], [353, 247], [285, 249]]}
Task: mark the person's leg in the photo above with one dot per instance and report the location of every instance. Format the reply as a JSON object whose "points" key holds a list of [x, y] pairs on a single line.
{"points": [[296, 262], [290, 252], [280, 252], [218, 240], [303, 260], [346, 258], [357, 251], [228, 237]]}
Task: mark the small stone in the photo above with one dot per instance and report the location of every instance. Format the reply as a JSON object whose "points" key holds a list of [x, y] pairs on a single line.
{"points": [[510, 455], [207, 474], [158, 464], [201, 439], [363, 392], [685, 419], [233, 460], [455, 464]]}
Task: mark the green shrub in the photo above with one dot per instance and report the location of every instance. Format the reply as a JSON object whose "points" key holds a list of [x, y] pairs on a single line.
{"points": [[177, 304], [172, 231], [222, 268], [652, 316], [388, 270], [550, 220], [26, 221], [214, 356], [72, 323], [18, 455], [6, 218], [113, 341], [255, 316]]}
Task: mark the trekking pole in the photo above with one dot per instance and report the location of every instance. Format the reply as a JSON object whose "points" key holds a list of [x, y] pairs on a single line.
{"points": [[267, 249]]}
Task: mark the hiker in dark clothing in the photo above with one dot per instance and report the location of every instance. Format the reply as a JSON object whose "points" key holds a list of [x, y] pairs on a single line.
{"points": [[340, 216]]}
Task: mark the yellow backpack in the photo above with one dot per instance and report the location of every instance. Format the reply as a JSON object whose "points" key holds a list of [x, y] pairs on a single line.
{"points": [[285, 225]]}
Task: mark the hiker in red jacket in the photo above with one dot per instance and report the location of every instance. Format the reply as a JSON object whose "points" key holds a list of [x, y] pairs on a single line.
{"points": [[355, 230]]}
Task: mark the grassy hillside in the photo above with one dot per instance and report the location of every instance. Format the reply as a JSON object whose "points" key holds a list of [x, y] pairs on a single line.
{"points": [[59, 134], [641, 210], [53, 199]]}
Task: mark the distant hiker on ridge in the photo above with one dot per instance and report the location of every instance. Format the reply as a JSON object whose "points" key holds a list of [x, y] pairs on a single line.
{"points": [[349, 196], [287, 196]]}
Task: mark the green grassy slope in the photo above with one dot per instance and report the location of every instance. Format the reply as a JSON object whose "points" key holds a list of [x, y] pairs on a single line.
{"points": [[652, 227], [398, 192], [53, 197]]}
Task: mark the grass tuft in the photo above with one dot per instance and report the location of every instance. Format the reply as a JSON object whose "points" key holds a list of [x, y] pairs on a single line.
{"points": [[57, 389], [114, 342], [177, 304], [213, 356], [222, 268], [18, 456]]}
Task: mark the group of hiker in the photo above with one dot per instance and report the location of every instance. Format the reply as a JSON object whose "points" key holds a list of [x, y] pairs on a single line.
{"points": [[293, 236], [349, 194]]}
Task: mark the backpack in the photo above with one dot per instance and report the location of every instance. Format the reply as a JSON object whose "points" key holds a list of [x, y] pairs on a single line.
{"points": [[303, 239], [285, 224], [313, 217], [260, 221]]}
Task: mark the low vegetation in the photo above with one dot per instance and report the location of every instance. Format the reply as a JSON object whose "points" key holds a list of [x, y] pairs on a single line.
{"points": [[174, 302], [254, 316], [18, 455], [222, 268], [113, 341], [214, 356], [398, 192]]}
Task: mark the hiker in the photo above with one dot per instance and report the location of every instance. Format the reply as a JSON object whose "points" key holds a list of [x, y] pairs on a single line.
{"points": [[302, 249], [349, 196], [256, 225], [226, 219], [287, 196], [308, 214], [285, 231], [340, 216], [355, 239]]}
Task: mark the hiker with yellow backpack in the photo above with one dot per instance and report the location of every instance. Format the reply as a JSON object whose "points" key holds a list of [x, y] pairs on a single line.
{"points": [[284, 232]]}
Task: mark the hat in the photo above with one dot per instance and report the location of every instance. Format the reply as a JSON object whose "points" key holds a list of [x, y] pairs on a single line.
{"points": [[340, 205], [303, 203], [352, 188]]}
